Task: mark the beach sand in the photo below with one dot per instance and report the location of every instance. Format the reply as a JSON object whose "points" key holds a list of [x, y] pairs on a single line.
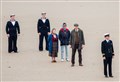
{"points": [[94, 18]]}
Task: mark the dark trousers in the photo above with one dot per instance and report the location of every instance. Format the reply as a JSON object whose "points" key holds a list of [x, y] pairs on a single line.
{"points": [[108, 64], [41, 37], [79, 54], [12, 43]]}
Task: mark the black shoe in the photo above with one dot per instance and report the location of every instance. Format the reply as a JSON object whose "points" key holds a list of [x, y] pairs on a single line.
{"points": [[106, 76], [72, 65], [10, 52], [111, 76], [15, 51], [40, 50], [80, 64]]}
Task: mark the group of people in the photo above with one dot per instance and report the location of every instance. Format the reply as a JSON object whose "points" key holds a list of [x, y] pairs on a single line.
{"points": [[75, 39]]}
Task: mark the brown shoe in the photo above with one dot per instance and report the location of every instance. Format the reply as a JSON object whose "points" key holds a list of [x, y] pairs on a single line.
{"points": [[55, 61], [72, 65], [52, 61]]}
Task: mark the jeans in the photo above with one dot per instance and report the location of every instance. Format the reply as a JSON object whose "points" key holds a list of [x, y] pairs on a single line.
{"points": [[64, 47]]}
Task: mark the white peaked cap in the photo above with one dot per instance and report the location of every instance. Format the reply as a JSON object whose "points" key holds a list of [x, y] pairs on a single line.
{"points": [[106, 34], [12, 15], [43, 12]]}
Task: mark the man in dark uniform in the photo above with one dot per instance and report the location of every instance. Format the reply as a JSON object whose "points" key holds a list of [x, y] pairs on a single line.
{"points": [[108, 53], [12, 30], [43, 28]]}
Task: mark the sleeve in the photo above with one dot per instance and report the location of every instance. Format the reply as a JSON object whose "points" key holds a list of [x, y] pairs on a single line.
{"points": [[48, 26], [112, 47], [7, 28], [58, 43], [38, 26], [83, 40], [48, 38], [102, 48], [18, 27], [59, 35], [69, 35], [71, 38]]}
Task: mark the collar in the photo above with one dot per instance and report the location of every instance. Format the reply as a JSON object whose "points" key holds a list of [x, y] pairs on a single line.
{"points": [[62, 29], [107, 40], [77, 29], [12, 21]]}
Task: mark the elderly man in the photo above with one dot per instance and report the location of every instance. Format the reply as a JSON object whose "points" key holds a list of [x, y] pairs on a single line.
{"points": [[76, 42]]}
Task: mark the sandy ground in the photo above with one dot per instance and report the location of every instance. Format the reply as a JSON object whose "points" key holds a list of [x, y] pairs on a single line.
{"points": [[95, 18], [0, 40], [62, 0]]}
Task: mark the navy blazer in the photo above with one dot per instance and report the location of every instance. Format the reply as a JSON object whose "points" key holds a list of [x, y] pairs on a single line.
{"points": [[12, 29], [107, 48]]}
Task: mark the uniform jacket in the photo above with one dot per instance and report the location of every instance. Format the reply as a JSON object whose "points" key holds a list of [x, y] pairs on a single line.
{"points": [[12, 29], [43, 27], [107, 48]]}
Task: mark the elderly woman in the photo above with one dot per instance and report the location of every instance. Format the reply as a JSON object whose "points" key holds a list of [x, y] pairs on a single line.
{"points": [[53, 45]]}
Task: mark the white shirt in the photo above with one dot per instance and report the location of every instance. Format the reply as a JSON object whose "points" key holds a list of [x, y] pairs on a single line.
{"points": [[13, 23], [44, 20], [54, 36], [76, 30], [107, 41]]}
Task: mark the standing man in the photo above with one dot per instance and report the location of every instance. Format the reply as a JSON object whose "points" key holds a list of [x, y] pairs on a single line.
{"points": [[64, 35], [108, 53], [12, 31], [43, 28], [77, 42]]}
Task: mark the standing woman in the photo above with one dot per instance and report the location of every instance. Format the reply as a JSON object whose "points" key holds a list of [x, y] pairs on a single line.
{"points": [[53, 45]]}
